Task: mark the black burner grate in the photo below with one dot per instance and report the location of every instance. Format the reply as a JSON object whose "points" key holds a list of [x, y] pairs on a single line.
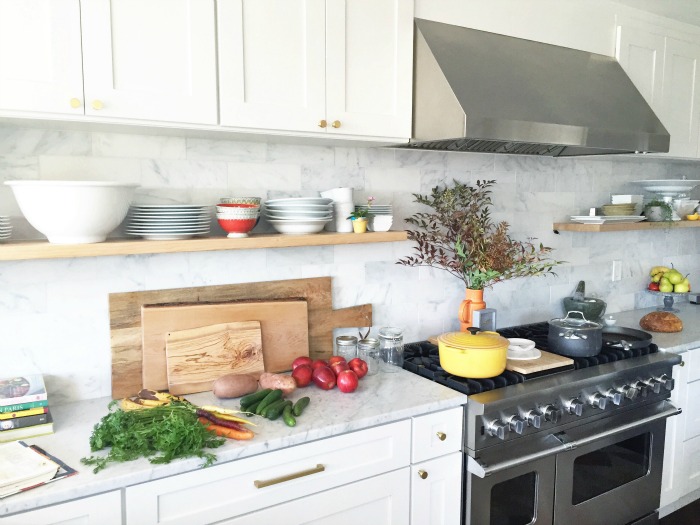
{"points": [[423, 358]]}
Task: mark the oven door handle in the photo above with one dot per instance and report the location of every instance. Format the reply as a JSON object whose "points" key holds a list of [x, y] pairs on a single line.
{"points": [[669, 411], [481, 470]]}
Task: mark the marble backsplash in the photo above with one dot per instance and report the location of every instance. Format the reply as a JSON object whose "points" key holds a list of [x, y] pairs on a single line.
{"points": [[54, 313]]}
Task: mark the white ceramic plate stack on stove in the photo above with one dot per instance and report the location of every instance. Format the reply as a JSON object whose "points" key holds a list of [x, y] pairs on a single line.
{"points": [[299, 215], [5, 227], [165, 222]]}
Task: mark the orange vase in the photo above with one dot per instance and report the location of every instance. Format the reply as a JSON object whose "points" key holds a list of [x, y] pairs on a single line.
{"points": [[474, 301]]}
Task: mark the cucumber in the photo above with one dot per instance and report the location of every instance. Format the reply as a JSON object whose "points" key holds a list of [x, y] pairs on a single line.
{"points": [[265, 411], [288, 416], [254, 397], [300, 405], [275, 410], [273, 396], [250, 409]]}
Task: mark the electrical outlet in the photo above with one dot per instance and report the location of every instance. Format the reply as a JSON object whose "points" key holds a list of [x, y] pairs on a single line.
{"points": [[617, 270]]}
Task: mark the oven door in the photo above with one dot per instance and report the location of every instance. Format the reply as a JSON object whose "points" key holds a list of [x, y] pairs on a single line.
{"points": [[613, 473]]}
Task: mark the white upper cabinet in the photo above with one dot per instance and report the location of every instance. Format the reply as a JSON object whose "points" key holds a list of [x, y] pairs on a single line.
{"points": [[151, 60], [331, 67], [40, 64], [641, 54]]}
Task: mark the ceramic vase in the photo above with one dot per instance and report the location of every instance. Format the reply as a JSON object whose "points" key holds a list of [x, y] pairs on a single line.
{"points": [[359, 225], [474, 300]]}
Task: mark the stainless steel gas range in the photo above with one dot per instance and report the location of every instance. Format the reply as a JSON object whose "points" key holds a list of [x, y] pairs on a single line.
{"points": [[581, 446]]}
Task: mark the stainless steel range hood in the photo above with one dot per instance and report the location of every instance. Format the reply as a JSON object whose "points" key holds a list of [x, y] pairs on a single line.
{"points": [[483, 92]]}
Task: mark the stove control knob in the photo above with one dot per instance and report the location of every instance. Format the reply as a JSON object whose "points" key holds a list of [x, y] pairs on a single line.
{"points": [[598, 400], [516, 424], [574, 406], [614, 396], [667, 382], [642, 387], [551, 413], [629, 392], [533, 418], [654, 385], [497, 428]]}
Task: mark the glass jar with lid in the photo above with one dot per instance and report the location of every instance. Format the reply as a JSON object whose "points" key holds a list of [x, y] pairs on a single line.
{"points": [[391, 348], [368, 351], [346, 346]]}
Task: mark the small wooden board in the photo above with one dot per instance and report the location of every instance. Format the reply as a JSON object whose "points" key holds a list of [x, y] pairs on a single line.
{"points": [[199, 356], [546, 361]]}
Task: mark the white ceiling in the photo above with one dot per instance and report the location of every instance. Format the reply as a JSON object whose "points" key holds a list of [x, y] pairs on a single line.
{"points": [[687, 11]]}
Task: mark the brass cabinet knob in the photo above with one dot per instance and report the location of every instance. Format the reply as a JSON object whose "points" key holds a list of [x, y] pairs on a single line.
{"points": [[97, 104], [441, 436], [75, 102], [322, 124], [336, 124], [422, 474]]}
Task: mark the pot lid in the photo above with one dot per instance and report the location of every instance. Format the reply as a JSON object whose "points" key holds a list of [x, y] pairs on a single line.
{"points": [[474, 340], [575, 322]]}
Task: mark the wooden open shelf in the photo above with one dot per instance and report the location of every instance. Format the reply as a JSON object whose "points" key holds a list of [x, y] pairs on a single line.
{"points": [[622, 227], [15, 251]]}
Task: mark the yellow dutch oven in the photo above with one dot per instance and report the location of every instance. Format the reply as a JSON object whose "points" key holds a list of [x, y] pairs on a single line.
{"points": [[473, 354]]}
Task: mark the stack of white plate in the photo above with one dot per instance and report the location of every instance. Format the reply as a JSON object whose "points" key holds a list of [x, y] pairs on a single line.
{"points": [[5, 227], [376, 209], [158, 222], [299, 215]]}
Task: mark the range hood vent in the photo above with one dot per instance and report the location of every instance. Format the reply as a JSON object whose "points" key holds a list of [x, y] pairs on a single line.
{"points": [[481, 92]]}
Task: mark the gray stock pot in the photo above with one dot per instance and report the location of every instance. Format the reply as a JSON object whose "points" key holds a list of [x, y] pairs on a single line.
{"points": [[575, 337]]}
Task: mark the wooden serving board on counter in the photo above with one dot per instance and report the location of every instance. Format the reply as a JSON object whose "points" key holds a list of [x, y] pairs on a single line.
{"points": [[125, 319], [284, 326], [199, 356], [546, 361]]}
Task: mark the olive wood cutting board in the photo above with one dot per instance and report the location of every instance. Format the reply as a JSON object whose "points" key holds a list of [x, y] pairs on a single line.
{"points": [[125, 319], [197, 357], [284, 326]]}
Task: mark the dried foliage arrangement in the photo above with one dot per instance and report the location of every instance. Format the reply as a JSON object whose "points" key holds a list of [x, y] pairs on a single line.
{"points": [[458, 236]]}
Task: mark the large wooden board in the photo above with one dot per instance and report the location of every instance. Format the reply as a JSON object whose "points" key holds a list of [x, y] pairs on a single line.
{"points": [[284, 326], [546, 361], [125, 319], [199, 356]]}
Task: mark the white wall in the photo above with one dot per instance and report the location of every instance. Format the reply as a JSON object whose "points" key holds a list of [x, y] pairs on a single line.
{"points": [[54, 313]]}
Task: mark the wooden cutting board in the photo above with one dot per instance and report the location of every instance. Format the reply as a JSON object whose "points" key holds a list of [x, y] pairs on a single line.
{"points": [[284, 327], [125, 319], [197, 357], [546, 361]]}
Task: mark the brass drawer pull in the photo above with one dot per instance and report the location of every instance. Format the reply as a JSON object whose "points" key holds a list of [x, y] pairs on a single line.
{"points": [[441, 436], [267, 482], [422, 474]]}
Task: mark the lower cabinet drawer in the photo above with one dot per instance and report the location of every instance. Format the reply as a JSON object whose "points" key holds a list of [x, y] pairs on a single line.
{"points": [[382, 500], [103, 509], [437, 434], [246, 485]]}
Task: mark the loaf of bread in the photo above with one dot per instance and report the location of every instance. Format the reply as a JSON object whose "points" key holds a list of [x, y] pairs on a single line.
{"points": [[661, 322]]}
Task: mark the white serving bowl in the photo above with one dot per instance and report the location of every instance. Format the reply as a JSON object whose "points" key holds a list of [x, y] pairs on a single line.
{"points": [[380, 223], [298, 227], [73, 212]]}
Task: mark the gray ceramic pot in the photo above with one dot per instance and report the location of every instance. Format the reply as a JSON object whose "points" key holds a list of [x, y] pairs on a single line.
{"points": [[575, 337]]}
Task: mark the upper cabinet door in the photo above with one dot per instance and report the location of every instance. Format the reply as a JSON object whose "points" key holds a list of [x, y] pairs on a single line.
{"points": [[641, 55], [40, 62], [150, 60], [369, 67], [271, 64], [680, 96]]}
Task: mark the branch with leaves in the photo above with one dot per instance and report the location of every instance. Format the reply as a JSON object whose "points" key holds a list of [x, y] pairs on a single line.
{"points": [[459, 236]]}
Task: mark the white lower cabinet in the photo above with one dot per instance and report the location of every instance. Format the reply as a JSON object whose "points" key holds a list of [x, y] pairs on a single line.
{"points": [[104, 509], [436, 491]]}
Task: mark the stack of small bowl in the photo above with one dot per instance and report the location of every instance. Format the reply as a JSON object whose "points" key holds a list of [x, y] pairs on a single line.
{"points": [[238, 215], [5, 227], [619, 209]]}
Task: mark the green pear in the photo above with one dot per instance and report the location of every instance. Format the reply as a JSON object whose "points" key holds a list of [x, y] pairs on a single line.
{"points": [[681, 288], [674, 276], [664, 280], [665, 287]]}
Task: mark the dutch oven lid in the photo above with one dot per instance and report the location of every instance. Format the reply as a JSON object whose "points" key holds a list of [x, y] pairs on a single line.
{"points": [[574, 322], [475, 339]]}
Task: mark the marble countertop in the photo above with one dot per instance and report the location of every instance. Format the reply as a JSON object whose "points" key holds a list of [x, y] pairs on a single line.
{"points": [[379, 399], [687, 339]]}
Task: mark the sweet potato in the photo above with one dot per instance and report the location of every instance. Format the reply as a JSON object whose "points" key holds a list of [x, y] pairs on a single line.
{"points": [[283, 382], [234, 385]]}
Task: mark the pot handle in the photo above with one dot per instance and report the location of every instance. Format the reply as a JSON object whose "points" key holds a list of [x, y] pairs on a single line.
{"points": [[583, 317], [569, 333]]}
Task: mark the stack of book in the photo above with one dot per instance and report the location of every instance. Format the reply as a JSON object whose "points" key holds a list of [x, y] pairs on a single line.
{"points": [[24, 408]]}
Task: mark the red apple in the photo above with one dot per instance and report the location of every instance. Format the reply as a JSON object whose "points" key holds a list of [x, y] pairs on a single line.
{"points": [[358, 366], [336, 359], [323, 377], [302, 360], [302, 375], [654, 286], [338, 367], [319, 362], [347, 381]]}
